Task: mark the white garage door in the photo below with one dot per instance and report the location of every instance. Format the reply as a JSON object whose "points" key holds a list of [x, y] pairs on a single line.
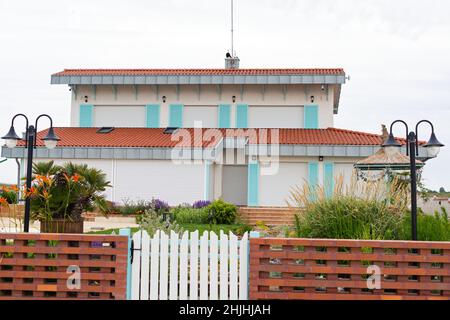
{"points": [[275, 117], [144, 179], [206, 114], [119, 116], [275, 189], [344, 171]]}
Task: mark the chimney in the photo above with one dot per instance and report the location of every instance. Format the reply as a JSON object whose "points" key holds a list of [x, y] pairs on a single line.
{"points": [[231, 62], [384, 133]]}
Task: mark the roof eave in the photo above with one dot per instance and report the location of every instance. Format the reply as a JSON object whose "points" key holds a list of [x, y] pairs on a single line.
{"points": [[197, 79]]}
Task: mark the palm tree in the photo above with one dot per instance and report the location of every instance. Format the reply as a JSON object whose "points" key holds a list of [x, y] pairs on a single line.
{"points": [[45, 168], [74, 189]]}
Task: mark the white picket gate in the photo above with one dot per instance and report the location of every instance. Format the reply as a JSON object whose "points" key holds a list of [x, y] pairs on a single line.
{"points": [[189, 268]]}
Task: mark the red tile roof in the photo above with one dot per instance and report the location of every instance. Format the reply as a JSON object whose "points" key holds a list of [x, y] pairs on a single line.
{"points": [[194, 72], [148, 137]]}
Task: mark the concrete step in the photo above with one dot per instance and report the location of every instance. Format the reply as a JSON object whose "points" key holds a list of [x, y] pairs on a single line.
{"points": [[268, 215]]}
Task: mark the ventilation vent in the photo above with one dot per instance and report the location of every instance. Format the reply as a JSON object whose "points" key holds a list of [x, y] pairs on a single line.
{"points": [[170, 130], [105, 129]]}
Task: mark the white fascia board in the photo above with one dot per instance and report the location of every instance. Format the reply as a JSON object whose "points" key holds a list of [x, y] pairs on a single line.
{"points": [[193, 79]]}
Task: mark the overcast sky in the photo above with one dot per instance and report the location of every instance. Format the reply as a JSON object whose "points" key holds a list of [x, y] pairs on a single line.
{"points": [[396, 52]]}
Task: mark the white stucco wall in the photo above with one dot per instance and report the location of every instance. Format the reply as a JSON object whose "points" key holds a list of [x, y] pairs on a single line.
{"points": [[118, 116], [276, 116], [192, 95], [206, 114]]}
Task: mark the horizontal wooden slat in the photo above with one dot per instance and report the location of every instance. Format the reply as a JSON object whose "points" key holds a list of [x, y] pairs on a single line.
{"points": [[330, 296], [351, 270], [293, 255], [59, 263], [353, 243], [313, 283], [60, 288], [64, 237], [55, 275], [61, 250]]}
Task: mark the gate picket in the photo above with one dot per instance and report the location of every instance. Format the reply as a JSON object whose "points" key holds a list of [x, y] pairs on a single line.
{"points": [[154, 279], [223, 266], [204, 266], [243, 268], [233, 267], [213, 253], [136, 267], [194, 267], [164, 266], [184, 263], [145, 265], [173, 280]]}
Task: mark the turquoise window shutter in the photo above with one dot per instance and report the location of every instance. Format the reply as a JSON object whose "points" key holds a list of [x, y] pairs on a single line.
{"points": [[311, 117], [176, 115], [253, 185], [86, 115], [224, 115], [152, 111], [313, 177], [328, 176], [242, 116]]}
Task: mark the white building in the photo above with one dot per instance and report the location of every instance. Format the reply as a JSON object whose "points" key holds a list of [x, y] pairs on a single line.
{"points": [[237, 159]]}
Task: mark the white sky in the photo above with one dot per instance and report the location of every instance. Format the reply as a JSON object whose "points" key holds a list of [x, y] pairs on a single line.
{"points": [[396, 52]]}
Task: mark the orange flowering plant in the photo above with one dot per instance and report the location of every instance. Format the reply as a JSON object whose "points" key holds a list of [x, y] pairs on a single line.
{"points": [[9, 194], [65, 192]]}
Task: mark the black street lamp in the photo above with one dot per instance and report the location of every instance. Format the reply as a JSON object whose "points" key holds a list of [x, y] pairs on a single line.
{"points": [[50, 141], [412, 149]]}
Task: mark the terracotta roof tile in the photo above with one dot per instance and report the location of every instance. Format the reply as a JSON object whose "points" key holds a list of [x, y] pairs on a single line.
{"points": [[143, 72], [148, 137]]}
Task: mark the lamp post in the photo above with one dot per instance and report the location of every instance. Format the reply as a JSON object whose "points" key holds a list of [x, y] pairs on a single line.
{"points": [[412, 149], [11, 139]]}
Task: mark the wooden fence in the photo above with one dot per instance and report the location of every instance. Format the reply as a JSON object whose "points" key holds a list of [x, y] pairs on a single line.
{"points": [[348, 269], [62, 266], [183, 267]]}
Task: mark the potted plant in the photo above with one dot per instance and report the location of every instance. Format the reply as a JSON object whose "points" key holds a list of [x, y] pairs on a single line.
{"points": [[60, 194], [9, 198]]}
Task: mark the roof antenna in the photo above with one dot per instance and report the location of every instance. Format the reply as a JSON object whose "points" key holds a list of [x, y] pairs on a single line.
{"points": [[232, 30], [231, 60]]}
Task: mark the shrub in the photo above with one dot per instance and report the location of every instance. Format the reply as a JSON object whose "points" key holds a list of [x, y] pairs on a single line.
{"points": [[161, 207], [364, 211], [429, 227], [9, 194], [222, 212], [201, 204], [151, 221], [349, 218], [187, 214], [131, 207]]}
